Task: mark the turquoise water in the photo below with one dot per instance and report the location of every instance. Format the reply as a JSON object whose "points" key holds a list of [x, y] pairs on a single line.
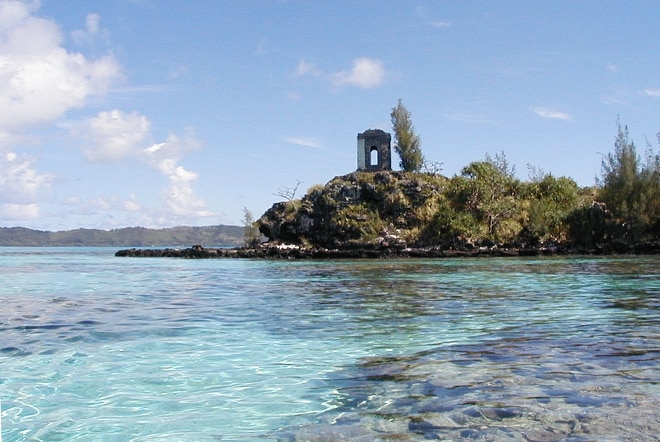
{"points": [[94, 347]]}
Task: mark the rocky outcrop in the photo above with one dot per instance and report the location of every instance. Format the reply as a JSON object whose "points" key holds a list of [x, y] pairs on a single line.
{"points": [[388, 214], [385, 208]]}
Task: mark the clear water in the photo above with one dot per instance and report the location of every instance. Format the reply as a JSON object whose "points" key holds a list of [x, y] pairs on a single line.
{"points": [[94, 347]]}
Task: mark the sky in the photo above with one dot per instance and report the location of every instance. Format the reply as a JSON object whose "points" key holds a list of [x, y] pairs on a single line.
{"points": [[160, 113]]}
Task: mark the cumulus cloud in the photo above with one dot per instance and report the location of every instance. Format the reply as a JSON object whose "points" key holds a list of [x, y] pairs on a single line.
{"points": [[16, 212], [552, 114], [174, 146], [18, 179], [115, 135], [20, 184], [365, 73], [40, 80], [179, 198]]}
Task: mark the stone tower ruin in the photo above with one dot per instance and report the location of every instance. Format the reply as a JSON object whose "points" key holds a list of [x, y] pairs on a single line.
{"points": [[374, 151]]}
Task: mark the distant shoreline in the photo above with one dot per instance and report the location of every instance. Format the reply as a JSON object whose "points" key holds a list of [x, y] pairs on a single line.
{"points": [[218, 235]]}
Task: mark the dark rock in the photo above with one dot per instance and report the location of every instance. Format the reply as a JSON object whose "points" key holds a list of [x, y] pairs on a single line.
{"points": [[470, 434]]}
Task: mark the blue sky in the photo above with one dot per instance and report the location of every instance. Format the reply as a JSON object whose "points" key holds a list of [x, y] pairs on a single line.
{"points": [[159, 113]]}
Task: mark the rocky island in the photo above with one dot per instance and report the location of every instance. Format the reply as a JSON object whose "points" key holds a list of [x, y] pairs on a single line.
{"points": [[376, 212]]}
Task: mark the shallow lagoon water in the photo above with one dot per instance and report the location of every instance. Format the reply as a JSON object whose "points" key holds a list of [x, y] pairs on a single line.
{"points": [[94, 347]]}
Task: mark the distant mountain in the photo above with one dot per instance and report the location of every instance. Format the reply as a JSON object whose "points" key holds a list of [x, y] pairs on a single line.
{"points": [[212, 236]]}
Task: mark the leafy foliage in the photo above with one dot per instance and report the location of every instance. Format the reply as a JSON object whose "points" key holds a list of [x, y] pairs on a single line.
{"points": [[630, 188], [551, 201], [487, 190], [250, 229], [406, 141]]}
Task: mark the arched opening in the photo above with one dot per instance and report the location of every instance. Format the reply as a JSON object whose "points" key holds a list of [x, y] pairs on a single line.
{"points": [[373, 156]]}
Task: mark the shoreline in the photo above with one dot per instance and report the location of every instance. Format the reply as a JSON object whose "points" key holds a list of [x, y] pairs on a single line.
{"points": [[288, 252]]}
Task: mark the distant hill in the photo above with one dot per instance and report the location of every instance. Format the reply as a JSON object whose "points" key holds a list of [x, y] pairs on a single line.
{"points": [[212, 236]]}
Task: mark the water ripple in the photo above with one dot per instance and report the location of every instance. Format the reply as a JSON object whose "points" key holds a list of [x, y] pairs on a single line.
{"points": [[92, 346]]}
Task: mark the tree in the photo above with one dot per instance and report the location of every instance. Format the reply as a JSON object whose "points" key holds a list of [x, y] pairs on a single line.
{"points": [[289, 193], [406, 141], [629, 187], [488, 190], [250, 230], [650, 177], [619, 176], [550, 201]]}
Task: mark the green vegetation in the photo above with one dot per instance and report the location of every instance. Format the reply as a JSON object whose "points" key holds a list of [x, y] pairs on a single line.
{"points": [[250, 229], [406, 141], [485, 205], [630, 189]]}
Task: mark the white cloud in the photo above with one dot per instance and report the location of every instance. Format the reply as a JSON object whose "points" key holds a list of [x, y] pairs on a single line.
{"points": [[365, 73], [154, 148], [91, 30], [307, 68], [174, 146], [104, 203], [19, 181], [552, 114], [651, 92], [304, 142], [92, 24], [20, 186], [179, 198], [39, 80], [17, 212], [132, 205], [612, 68], [115, 135]]}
